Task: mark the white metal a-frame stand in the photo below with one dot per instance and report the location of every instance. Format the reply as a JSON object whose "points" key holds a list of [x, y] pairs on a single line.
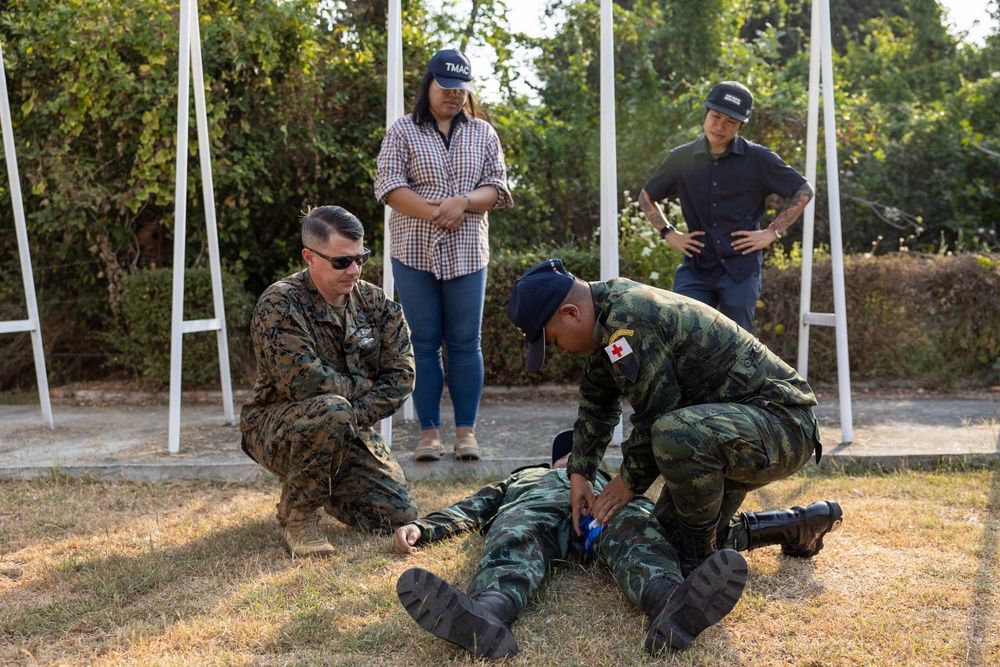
{"points": [[821, 54], [190, 59], [33, 323], [609, 162], [609, 151], [393, 110]]}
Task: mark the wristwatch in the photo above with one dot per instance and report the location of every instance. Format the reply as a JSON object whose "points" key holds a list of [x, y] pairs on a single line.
{"points": [[666, 230]]}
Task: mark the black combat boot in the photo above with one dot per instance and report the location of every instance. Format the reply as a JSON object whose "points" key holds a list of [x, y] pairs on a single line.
{"points": [[479, 624], [799, 530], [696, 544], [679, 612]]}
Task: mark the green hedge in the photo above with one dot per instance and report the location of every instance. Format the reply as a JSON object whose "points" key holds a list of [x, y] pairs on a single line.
{"points": [[929, 319], [140, 342], [933, 320]]}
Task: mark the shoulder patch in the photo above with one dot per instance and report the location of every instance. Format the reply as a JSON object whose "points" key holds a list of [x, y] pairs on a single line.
{"points": [[618, 351], [618, 334]]}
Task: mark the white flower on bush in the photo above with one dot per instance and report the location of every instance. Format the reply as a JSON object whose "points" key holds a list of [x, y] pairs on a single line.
{"points": [[654, 275], [647, 251]]}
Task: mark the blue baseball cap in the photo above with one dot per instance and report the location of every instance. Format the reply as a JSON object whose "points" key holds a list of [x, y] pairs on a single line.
{"points": [[534, 299], [451, 69]]}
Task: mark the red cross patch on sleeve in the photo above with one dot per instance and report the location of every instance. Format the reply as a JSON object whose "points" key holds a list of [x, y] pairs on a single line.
{"points": [[618, 350]]}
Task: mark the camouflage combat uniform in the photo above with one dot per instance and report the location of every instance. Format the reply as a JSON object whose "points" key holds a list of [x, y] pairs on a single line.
{"points": [[716, 412], [322, 386], [528, 525]]}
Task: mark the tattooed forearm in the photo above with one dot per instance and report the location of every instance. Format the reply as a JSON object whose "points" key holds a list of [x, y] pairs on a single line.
{"points": [[793, 208], [652, 210]]}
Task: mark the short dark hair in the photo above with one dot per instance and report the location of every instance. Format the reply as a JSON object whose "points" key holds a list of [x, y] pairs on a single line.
{"points": [[422, 107], [321, 221]]}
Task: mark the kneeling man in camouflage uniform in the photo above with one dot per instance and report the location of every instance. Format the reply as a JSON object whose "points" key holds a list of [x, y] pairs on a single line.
{"points": [[333, 358], [717, 414]]}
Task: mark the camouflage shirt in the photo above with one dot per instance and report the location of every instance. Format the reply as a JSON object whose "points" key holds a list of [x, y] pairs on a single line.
{"points": [[531, 486], [663, 351], [304, 350]]}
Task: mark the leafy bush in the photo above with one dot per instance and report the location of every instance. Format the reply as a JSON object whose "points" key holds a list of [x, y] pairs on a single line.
{"points": [[296, 114], [141, 340], [930, 319], [642, 253]]}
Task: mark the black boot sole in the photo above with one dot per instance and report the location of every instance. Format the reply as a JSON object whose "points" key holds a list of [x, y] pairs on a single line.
{"points": [[836, 517], [701, 601], [450, 614]]}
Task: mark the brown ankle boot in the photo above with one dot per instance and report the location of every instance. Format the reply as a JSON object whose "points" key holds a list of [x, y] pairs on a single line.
{"points": [[282, 505], [467, 448], [302, 535]]}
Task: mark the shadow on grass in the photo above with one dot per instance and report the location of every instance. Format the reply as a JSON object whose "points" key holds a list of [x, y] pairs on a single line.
{"points": [[101, 592], [236, 576]]}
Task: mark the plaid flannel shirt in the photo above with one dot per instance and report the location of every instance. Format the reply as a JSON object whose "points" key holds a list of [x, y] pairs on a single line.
{"points": [[414, 156]]}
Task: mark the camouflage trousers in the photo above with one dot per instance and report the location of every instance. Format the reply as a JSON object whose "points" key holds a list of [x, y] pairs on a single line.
{"points": [[526, 540], [711, 456], [323, 460]]}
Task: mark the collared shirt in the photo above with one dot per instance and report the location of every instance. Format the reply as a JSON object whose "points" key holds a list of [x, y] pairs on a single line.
{"points": [[304, 350], [663, 351], [414, 156], [721, 195]]}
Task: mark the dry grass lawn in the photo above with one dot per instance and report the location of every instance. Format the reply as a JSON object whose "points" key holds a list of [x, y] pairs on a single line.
{"points": [[94, 573]]}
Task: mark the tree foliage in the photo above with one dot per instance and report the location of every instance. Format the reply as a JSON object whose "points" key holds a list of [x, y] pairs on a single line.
{"points": [[916, 132], [662, 50], [296, 91]]}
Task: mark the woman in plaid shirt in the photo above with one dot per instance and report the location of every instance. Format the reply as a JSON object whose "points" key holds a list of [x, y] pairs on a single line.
{"points": [[441, 169]]}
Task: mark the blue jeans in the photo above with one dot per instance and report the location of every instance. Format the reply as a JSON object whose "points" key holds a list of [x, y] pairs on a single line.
{"points": [[735, 300], [448, 311]]}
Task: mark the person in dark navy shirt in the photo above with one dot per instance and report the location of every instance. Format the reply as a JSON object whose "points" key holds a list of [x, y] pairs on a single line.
{"points": [[723, 181]]}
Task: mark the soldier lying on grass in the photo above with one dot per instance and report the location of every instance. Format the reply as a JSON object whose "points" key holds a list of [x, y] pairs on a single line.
{"points": [[528, 525]]}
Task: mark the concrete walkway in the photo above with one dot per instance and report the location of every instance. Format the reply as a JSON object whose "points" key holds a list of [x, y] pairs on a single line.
{"points": [[124, 437]]}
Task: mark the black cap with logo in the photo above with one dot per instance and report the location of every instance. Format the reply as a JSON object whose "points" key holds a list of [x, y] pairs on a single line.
{"points": [[731, 98]]}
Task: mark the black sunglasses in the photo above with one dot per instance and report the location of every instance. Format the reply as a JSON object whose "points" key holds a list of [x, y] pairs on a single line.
{"points": [[341, 263]]}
